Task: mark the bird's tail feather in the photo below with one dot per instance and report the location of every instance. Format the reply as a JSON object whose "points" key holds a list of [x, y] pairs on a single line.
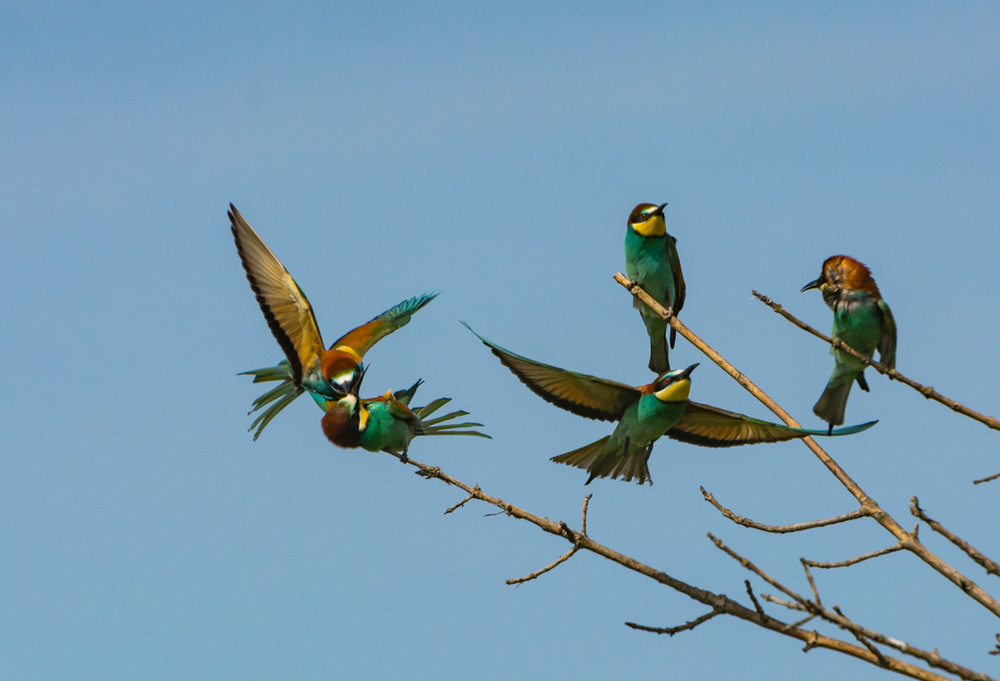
{"points": [[659, 361], [440, 426], [831, 404], [601, 463]]}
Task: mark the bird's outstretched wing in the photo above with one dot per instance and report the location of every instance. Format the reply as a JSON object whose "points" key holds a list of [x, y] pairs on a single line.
{"points": [[587, 396], [709, 426], [368, 334], [286, 308]]}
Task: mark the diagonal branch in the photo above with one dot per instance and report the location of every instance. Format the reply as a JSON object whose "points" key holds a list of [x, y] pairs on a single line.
{"points": [[855, 560], [797, 527], [925, 390], [989, 565], [726, 605], [907, 540], [670, 631]]}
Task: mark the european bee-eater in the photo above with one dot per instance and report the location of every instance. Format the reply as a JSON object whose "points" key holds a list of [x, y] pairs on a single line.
{"points": [[324, 373], [862, 320], [387, 423], [651, 261], [644, 413]]}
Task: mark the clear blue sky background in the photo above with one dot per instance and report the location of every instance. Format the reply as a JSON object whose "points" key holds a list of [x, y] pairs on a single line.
{"points": [[492, 151]]}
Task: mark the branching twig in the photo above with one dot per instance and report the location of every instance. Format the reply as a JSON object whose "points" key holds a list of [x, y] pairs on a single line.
{"points": [[715, 601], [797, 527], [925, 390], [989, 565], [906, 539], [864, 635]]}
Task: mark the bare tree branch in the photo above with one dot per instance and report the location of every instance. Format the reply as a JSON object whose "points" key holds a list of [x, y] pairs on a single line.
{"points": [[797, 527], [989, 565], [720, 602], [925, 390], [871, 508], [855, 560], [988, 478], [670, 631]]}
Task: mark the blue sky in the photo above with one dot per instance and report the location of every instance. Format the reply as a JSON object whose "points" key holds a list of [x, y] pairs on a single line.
{"points": [[491, 151]]}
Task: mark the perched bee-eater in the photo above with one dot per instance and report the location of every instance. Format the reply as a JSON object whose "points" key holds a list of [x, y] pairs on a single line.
{"points": [[644, 413], [387, 423], [862, 320], [324, 373], [651, 261]]}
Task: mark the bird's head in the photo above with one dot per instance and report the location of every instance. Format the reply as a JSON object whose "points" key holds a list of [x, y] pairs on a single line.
{"points": [[345, 420], [341, 367], [673, 386], [843, 273], [646, 219]]}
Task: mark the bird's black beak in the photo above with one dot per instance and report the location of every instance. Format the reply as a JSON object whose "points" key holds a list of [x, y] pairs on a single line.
{"points": [[659, 209], [687, 372], [355, 387], [812, 284]]}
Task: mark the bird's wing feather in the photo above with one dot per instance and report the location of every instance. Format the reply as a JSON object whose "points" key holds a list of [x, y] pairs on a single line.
{"points": [[286, 308], [887, 342], [368, 334], [709, 426], [587, 396]]}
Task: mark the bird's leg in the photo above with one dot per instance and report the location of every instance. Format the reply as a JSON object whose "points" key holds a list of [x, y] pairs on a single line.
{"points": [[649, 450], [626, 447], [403, 458]]}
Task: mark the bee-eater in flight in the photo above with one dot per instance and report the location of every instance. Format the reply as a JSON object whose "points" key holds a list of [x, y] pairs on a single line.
{"points": [[387, 423], [651, 261], [644, 413], [324, 373], [862, 320]]}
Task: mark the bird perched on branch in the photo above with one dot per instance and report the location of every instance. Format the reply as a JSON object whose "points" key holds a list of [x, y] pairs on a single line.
{"points": [[387, 423], [324, 373], [644, 413], [862, 319], [651, 261]]}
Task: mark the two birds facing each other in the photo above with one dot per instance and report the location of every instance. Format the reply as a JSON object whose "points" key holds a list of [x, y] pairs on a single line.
{"points": [[333, 376]]}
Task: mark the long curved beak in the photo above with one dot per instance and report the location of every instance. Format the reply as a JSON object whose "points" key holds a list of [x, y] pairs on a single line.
{"points": [[687, 372], [812, 284]]}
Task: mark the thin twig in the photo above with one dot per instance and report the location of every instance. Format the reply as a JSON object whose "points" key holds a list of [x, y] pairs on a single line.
{"points": [[925, 390], [906, 539], [797, 527], [837, 617], [989, 565], [538, 573], [986, 479], [753, 599], [715, 601], [467, 499], [855, 560], [812, 582], [670, 631]]}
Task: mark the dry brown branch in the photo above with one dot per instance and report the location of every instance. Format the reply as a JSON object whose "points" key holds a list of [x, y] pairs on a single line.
{"points": [[797, 527], [670, 631], [753, 599], [853, 561], [866, 636], [925, 390], [538, 573], [871, 508], [463, 501], [561, 559], [988, 478], [720, 602], [989, 565], [812, 582]]}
